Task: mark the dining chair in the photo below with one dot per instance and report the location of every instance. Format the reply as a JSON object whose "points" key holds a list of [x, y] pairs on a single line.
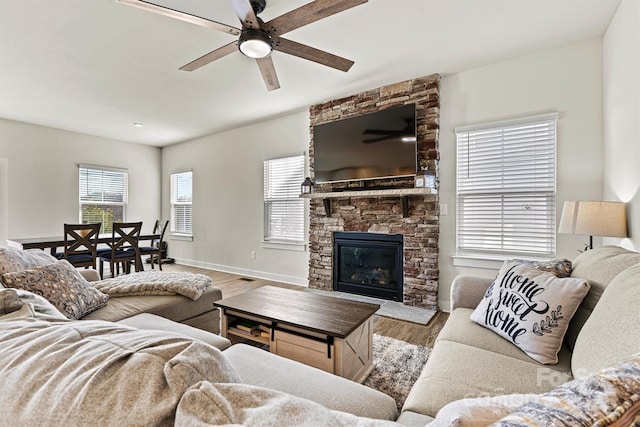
{"points": [[123, 248], [81, 244], [155, 250]]}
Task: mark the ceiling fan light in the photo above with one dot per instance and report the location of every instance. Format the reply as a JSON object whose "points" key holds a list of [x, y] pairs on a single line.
{"points": [[255, 43]]}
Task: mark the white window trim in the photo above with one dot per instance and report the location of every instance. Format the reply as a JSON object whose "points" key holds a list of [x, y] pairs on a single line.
{"points": [[179, 235], [124, 203], [494, 260], [279, 242], [285, 246]]}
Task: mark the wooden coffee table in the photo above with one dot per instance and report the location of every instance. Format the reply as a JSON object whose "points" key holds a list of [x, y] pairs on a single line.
{"points": [[328, 333]]}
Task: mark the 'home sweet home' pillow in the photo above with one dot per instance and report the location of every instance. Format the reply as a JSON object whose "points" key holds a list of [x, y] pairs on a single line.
{"points": [[531, 308]]}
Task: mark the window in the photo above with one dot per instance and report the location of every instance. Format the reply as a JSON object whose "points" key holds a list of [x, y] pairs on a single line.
{"points": [[283, 208], [506, 187], [182, 203], [103, 195]]}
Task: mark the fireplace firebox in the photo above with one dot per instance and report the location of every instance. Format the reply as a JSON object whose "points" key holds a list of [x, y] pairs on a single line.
{"points": [[368, 264]]}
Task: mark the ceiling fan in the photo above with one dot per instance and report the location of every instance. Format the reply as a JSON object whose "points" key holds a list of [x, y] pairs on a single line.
{"points": [[406, 132], [258, 39]]}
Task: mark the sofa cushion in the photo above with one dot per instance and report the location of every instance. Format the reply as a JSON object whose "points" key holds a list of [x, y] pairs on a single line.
{"points": [[461, 329], [62, 285], [156, 323], [263, 369], [457, 371], [607, 398], [599, 266], [531, 309], [612, 332]]}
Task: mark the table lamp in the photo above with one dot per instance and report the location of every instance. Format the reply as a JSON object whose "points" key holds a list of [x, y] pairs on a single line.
{"points": [[593, 218]]}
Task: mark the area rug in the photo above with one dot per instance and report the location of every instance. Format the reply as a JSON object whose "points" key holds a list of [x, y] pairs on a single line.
{"points": [[397, 365]]}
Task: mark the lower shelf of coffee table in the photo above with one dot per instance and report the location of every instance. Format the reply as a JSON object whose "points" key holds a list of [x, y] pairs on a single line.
{"points": [[349, 357]]}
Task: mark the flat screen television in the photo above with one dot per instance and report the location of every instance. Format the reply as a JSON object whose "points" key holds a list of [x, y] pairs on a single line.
{"points": [[375, 145]]}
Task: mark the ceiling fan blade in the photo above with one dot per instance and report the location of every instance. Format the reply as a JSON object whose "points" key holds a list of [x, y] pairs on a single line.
{"points": [[268, 72], [245, 13], [309, 13], [211, 56], [313, 54], [204, 22], [382, 138], [382, 132]]}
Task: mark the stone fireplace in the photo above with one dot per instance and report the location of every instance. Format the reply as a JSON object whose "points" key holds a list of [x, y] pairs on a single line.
{"points": [[391, 207]]}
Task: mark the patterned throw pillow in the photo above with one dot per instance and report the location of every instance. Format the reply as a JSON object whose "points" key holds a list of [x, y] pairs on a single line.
{"points": [[557, 267], [62, 285], [609, 398], [531, 309], [12, 260]]}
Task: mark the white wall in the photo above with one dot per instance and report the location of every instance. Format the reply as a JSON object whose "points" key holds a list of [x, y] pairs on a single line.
{"points": [[621, 67], [42, 176], [3, 201], [566, 79], [228, 198]]}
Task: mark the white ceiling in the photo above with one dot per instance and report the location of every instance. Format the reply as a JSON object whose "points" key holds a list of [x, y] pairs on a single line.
{"points": [[98, 66]]}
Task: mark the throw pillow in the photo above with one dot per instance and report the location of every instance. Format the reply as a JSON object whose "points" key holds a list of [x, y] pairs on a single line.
{"points": [[9, 301], [609, 398], [557, 267], [531, 308], [14, 300], [62, 285], [12, 260], [479, 411]]}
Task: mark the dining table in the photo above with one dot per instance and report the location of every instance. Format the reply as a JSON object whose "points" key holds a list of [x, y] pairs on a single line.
{"points": [[55, 242]]}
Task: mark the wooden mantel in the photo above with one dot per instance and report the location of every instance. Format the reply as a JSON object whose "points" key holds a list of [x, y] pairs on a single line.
{"points": [[403, 193]]}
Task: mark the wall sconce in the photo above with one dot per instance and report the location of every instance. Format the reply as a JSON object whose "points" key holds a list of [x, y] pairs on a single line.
{"points": [[605, 219], [307, 186], [425, 179]]}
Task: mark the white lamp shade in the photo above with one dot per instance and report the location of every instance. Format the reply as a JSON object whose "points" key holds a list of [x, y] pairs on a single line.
{"points": [[592, 218]]}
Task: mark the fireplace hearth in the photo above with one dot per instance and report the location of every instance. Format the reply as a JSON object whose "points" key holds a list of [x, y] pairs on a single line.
{"points": [[368, 264]]}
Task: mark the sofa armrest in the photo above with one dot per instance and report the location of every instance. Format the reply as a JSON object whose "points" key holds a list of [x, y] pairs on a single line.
{"points": [[467, 291], [90, 275]]}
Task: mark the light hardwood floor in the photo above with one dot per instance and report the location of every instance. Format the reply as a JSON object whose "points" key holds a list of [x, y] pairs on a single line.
{"points": [[233, 284]]}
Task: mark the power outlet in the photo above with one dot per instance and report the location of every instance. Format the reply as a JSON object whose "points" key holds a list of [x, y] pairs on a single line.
{"points": [[444, 209], [253, 254]]}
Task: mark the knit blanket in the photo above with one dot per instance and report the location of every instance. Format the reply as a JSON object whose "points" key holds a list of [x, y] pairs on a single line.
{"points": [[190, 285]]}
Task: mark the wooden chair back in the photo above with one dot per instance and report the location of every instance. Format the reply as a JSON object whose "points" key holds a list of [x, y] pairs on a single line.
{"points": [[126, 235], [81, 244]]}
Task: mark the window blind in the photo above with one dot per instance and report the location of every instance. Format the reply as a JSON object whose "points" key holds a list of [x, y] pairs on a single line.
{"points": [[506, 187], [182, 203], [283, 208], [103, 195]]}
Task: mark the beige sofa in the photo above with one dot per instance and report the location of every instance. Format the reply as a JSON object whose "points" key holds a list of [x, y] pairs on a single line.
{"points": [[470, 361], [162, 317], [199, 313]]}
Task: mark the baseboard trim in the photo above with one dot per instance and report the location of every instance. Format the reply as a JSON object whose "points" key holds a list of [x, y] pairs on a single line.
{"points": [[444, 306], [245, 272]]}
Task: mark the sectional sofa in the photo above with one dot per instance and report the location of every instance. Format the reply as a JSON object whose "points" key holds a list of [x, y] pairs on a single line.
{"points": [[67, 372], [137, 361], [199, 313], [473, 363]]}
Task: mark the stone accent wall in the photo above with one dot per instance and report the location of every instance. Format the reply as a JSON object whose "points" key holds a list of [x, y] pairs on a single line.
{"points": [[384, 214]]}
